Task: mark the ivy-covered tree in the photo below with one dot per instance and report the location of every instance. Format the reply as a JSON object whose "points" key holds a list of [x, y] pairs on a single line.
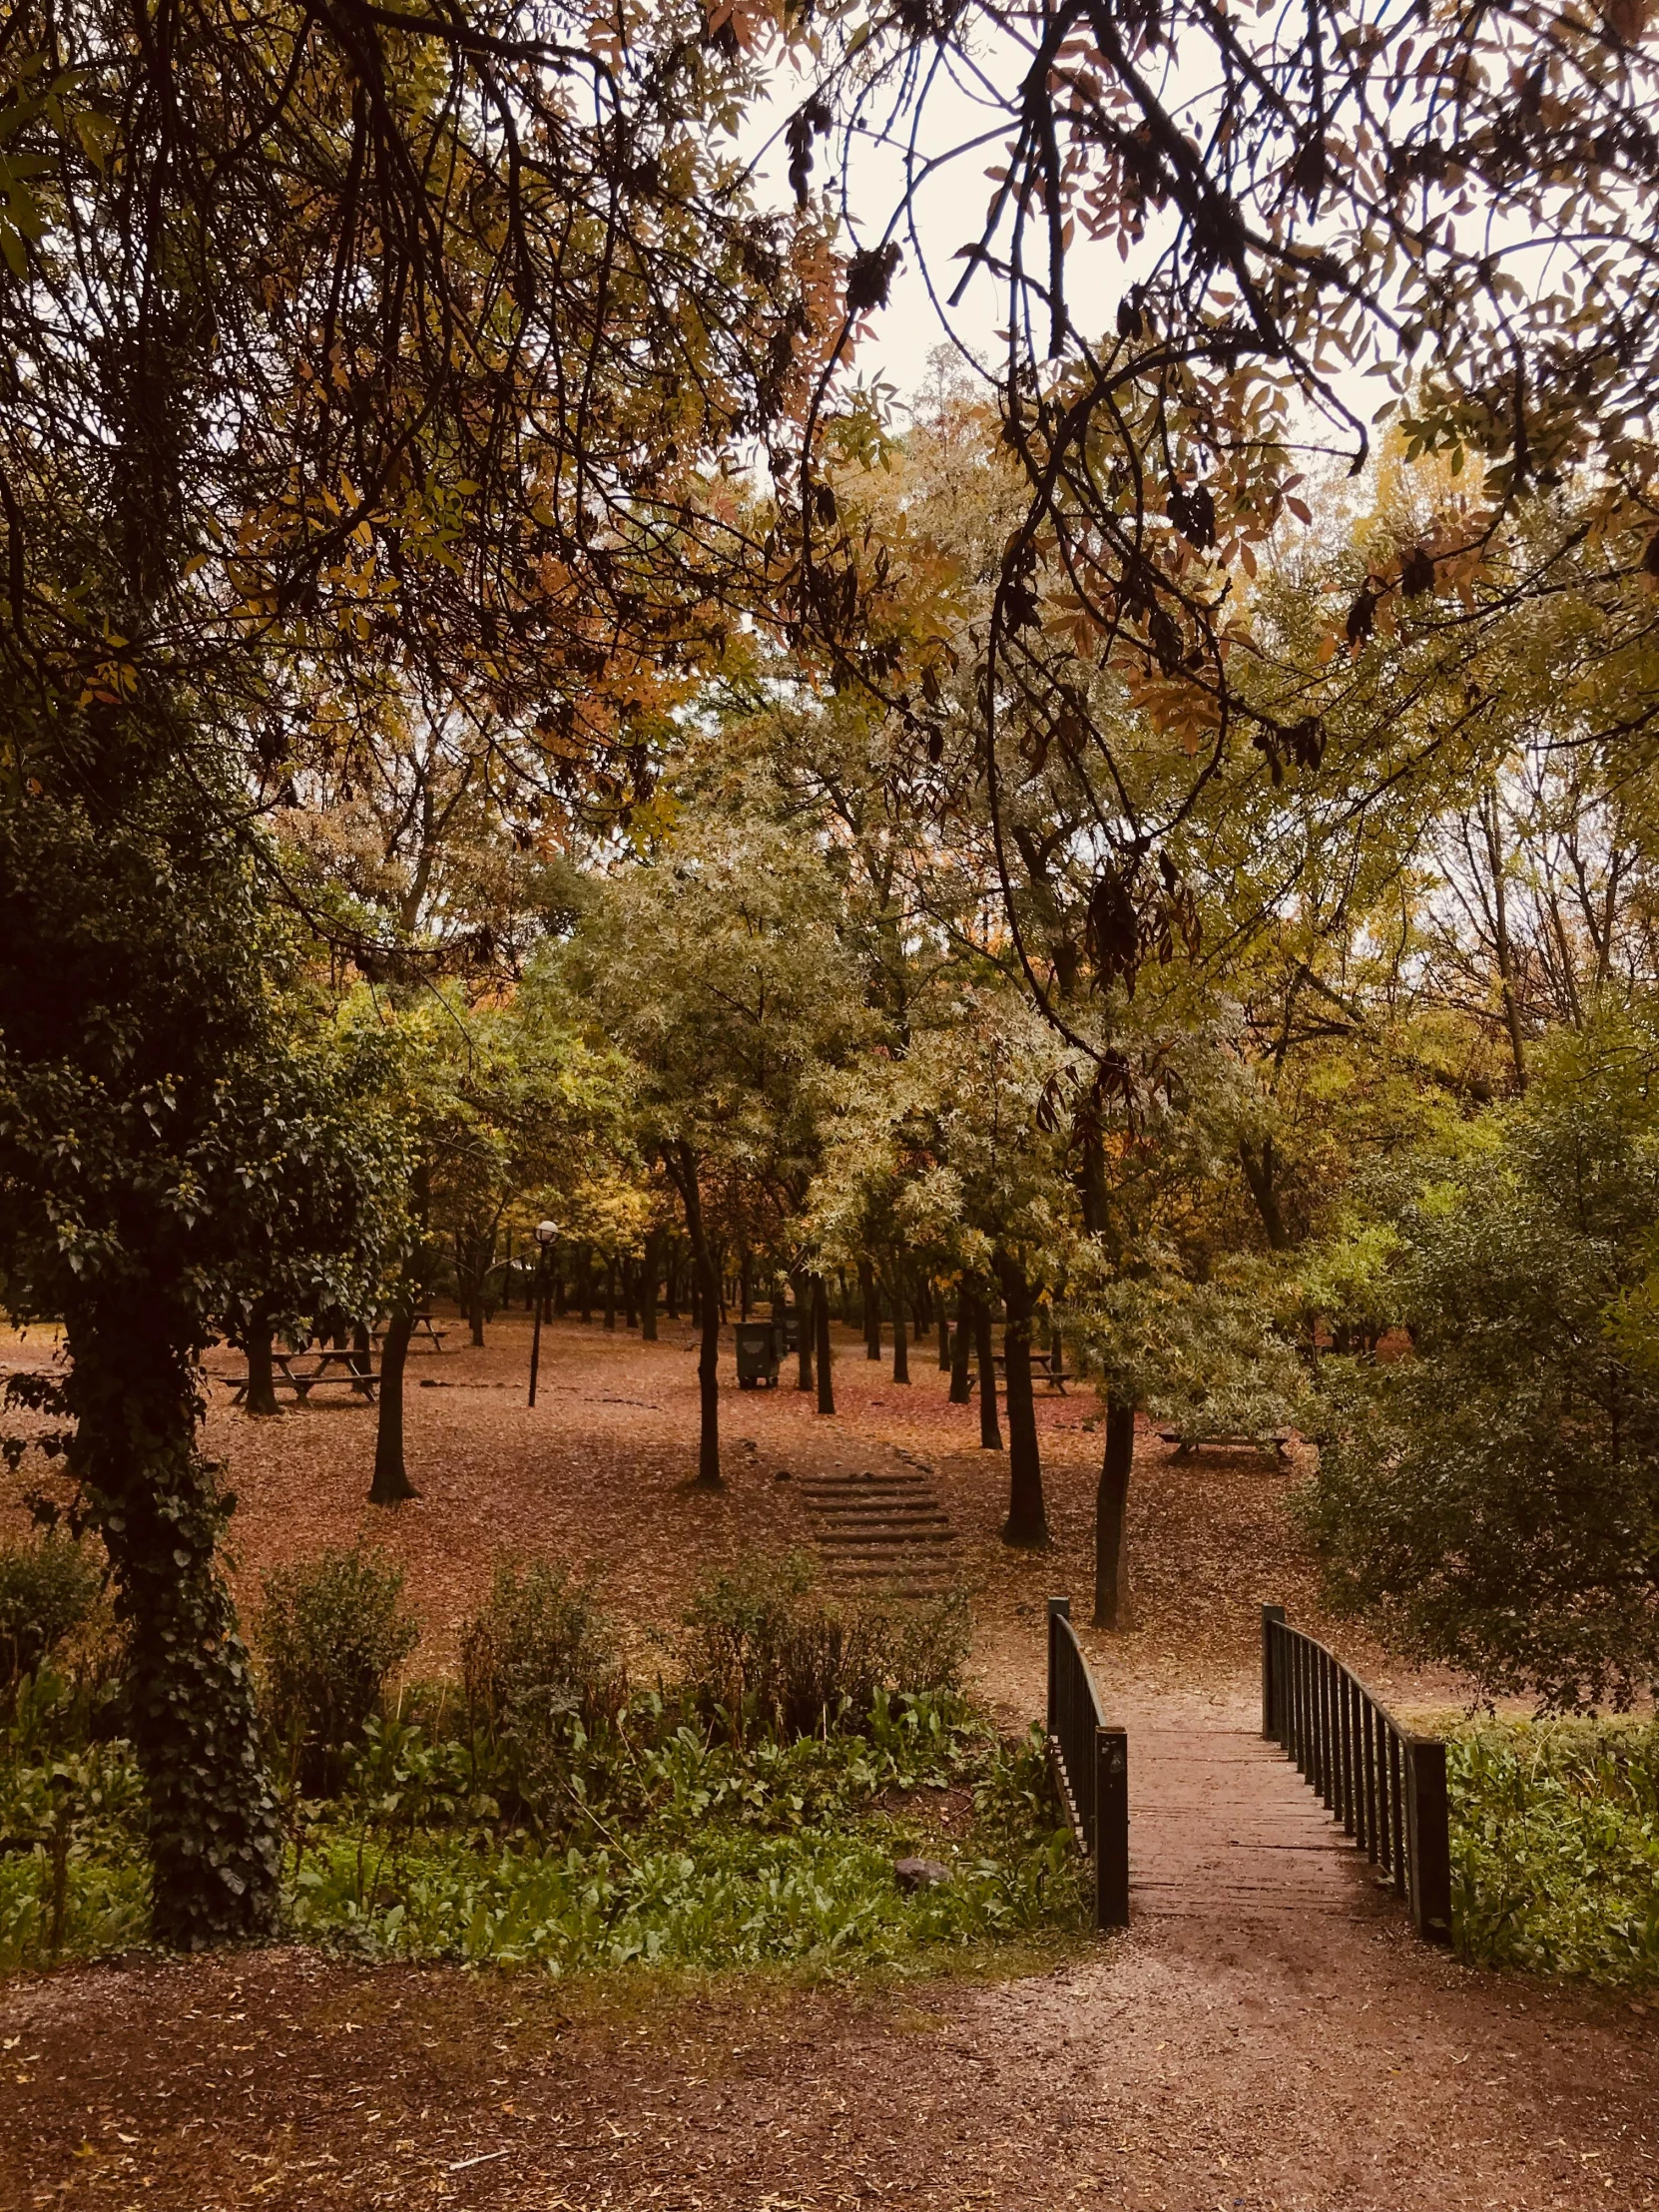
{"points": [[154, 1115]]}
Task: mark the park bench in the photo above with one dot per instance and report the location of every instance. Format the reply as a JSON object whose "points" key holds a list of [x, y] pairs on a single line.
{"points": [[1047, 1368], [1187, 1441], [332, 1367]]}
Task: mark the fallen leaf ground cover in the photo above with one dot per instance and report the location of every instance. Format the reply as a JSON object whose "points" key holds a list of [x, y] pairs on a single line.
{"points": [[1269, 2062]]}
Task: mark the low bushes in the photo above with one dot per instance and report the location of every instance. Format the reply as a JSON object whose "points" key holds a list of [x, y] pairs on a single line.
{"points": [[764, 1651], [48, 1589], [331, 1633], [1555, 1847], [748, 1812]]}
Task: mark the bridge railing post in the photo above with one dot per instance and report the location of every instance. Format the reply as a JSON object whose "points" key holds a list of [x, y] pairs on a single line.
{"points": [[1111, 1826], [1428, 1838], [1271, 1723]]}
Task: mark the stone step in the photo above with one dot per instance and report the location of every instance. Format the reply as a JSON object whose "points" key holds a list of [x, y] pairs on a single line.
{"points": [[904, 1522], [886, 1538]]}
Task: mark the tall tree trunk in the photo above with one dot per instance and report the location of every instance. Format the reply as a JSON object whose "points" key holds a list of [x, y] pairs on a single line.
{"points": [[943, 1317], [391, 1484], [806, 1320], [1111, 1556], [683, 1167], [962, 1387], [630, 1294], [475, 1311], [213, 1831], [900, 1343], [671, 1284], [1027, 1523], [650, 1270], [871, 1300], [1500, 933], [821, 1331], [990, 1435], [261, 1372], [610, 1292], [584, 1281], [558, 1294], [1260, 1168]]}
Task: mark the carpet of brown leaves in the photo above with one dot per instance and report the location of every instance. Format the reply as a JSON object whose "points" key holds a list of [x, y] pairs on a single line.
{"points": [[1269, 2060]]}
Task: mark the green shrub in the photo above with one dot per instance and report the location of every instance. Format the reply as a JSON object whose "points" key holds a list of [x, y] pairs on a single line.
{"points": [[538, 1651], [541, 1671], [763, 1650], [48, 1589], [331, 1632], [1555, 1847]]}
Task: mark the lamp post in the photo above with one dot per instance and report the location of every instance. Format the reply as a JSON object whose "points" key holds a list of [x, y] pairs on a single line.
{"points": [[546, 1232]]}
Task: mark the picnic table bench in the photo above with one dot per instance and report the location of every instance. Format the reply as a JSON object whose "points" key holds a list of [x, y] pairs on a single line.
{"points": [[1045, 1367], [332, 1366], [1187, 1441], [421, 1326]]}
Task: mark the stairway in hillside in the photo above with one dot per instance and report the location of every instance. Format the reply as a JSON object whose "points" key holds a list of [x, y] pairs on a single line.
{"points": [[882, 1533]]}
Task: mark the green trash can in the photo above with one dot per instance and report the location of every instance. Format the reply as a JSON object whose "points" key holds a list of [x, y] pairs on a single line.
{"points": [[757, 1342]]}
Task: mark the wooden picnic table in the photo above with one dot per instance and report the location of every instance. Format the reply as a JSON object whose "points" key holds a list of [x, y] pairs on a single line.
{"points": [[421, 1326], [1046, 1369], [1186, 1440], [331, 1366]]}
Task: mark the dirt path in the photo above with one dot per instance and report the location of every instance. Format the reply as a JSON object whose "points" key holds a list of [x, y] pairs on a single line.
{"points": [[1267, 2037], [1286, 2063]]}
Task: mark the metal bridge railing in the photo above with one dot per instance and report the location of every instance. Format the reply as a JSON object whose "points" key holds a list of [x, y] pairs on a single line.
{"points": [[1386, 1785], [1091, 1764]]}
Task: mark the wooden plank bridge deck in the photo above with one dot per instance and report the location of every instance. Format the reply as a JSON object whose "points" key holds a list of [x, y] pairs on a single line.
{"points": [[1223, 1829]]}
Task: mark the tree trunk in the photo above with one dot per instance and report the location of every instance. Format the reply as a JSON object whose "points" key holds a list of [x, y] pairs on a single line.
{"points": [[806, 1320], [261, 1372], [214, 1831], [391, 1484], [821, 1331], [475, 1311], [941, 1316], [1501, 933], [706, 1290], [901, 1342], [630, 1294], [870, 1302], [1027, 1523], [610, 1294], [1262, 1174], [990, 1435], [671, 1286], [962, 1387], [584, 1279], [707, 1385], [649, 1268], [1111, 1558]]}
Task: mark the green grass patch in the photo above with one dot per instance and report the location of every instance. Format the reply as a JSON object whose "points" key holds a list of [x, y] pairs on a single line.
{"points": [[657, 1840], [1555, 1847]]}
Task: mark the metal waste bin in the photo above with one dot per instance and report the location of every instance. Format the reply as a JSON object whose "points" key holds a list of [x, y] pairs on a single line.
{"points": [[787, 1322], [757, 1342]]}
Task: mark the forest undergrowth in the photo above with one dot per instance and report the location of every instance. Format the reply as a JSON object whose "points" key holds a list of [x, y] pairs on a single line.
{"points": [[752, 1812]]}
